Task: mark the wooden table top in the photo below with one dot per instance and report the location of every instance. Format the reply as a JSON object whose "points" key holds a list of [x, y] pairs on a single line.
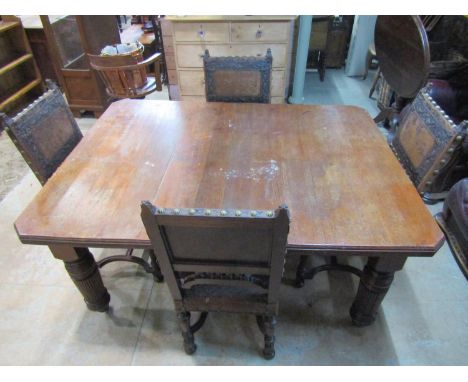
{"points": [[345, 189]]}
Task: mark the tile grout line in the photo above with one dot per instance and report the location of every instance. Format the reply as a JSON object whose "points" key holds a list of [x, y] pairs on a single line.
{"points": [[141, 325]]}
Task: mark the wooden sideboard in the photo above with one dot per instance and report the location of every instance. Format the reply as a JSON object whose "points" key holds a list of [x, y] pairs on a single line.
{"points": [[187, 37]]}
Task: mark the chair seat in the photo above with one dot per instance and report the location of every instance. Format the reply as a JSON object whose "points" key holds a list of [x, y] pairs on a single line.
{"points": [[148, 88]]}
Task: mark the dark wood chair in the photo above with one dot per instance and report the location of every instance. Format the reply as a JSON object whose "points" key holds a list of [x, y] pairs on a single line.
{"points": [[430, 147], [45, 133], [454, 222], [159, 46], [238, 79], [220, 260], [126, 77]]}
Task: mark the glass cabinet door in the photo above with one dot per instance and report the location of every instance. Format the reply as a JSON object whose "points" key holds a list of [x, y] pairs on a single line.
{"points": [[68, 42]]}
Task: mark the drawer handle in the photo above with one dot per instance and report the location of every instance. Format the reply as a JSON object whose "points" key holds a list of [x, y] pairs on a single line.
{"points": [[259, 34], [202, 34]]}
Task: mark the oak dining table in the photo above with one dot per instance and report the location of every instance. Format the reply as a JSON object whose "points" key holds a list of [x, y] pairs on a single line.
{"points": [[346, 191]]}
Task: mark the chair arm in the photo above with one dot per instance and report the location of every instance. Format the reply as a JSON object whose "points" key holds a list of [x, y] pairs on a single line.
{"points": [[155, 57]]}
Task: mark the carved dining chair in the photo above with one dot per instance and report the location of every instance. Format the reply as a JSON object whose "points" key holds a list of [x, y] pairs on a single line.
{"points": [[454, 222], [126, 77], [45, 133], [431, 147], [238, 79], [220, 260]]}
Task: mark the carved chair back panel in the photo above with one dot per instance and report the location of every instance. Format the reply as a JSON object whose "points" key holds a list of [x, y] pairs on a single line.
{"points": [[119, 82], [248, 246], [218, 247], [45, 133], [238, 79], [428, 143]]}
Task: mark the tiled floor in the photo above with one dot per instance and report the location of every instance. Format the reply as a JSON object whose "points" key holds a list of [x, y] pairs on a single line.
{"points": [[43, 320]]}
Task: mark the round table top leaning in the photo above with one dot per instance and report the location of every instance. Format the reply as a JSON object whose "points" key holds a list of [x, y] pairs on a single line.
{"points": [[402, 48]]}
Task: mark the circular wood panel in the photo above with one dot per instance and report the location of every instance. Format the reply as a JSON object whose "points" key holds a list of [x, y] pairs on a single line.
{"points": [[402, 48]]}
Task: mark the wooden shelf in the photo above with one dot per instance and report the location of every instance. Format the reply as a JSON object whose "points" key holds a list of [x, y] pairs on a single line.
{"points": [[21, 92], [15, 63], [20, 80], [6, 25]]}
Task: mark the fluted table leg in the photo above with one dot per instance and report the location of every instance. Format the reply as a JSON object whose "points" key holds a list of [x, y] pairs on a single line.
{"points": [[84, 272], [375, 282]]}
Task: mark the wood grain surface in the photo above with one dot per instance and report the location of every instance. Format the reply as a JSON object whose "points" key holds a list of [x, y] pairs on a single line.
{"points": [[402, 48], [345, 189]]}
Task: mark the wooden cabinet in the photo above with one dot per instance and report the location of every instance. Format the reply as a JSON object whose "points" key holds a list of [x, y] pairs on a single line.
{"points": [[37, 40], [70, 38], [169, 53], [337, 41], [189, 36], [20, 80]]}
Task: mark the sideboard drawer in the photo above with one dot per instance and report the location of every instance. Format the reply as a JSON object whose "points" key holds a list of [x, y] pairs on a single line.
{"points": [[260, 32], [192, 82], [191, 56], [201, 32], [277, 83], [278, 51]]}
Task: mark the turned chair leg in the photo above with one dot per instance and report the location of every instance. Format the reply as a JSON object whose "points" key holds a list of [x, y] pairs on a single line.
{"points": [[300, 272], [187, 334], [267, 326]]}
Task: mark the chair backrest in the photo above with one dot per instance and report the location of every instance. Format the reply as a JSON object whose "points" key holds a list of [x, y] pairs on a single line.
{"points": [[45, 132], [120, 82], [221, 247], [238, 79], [429, 144]]}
